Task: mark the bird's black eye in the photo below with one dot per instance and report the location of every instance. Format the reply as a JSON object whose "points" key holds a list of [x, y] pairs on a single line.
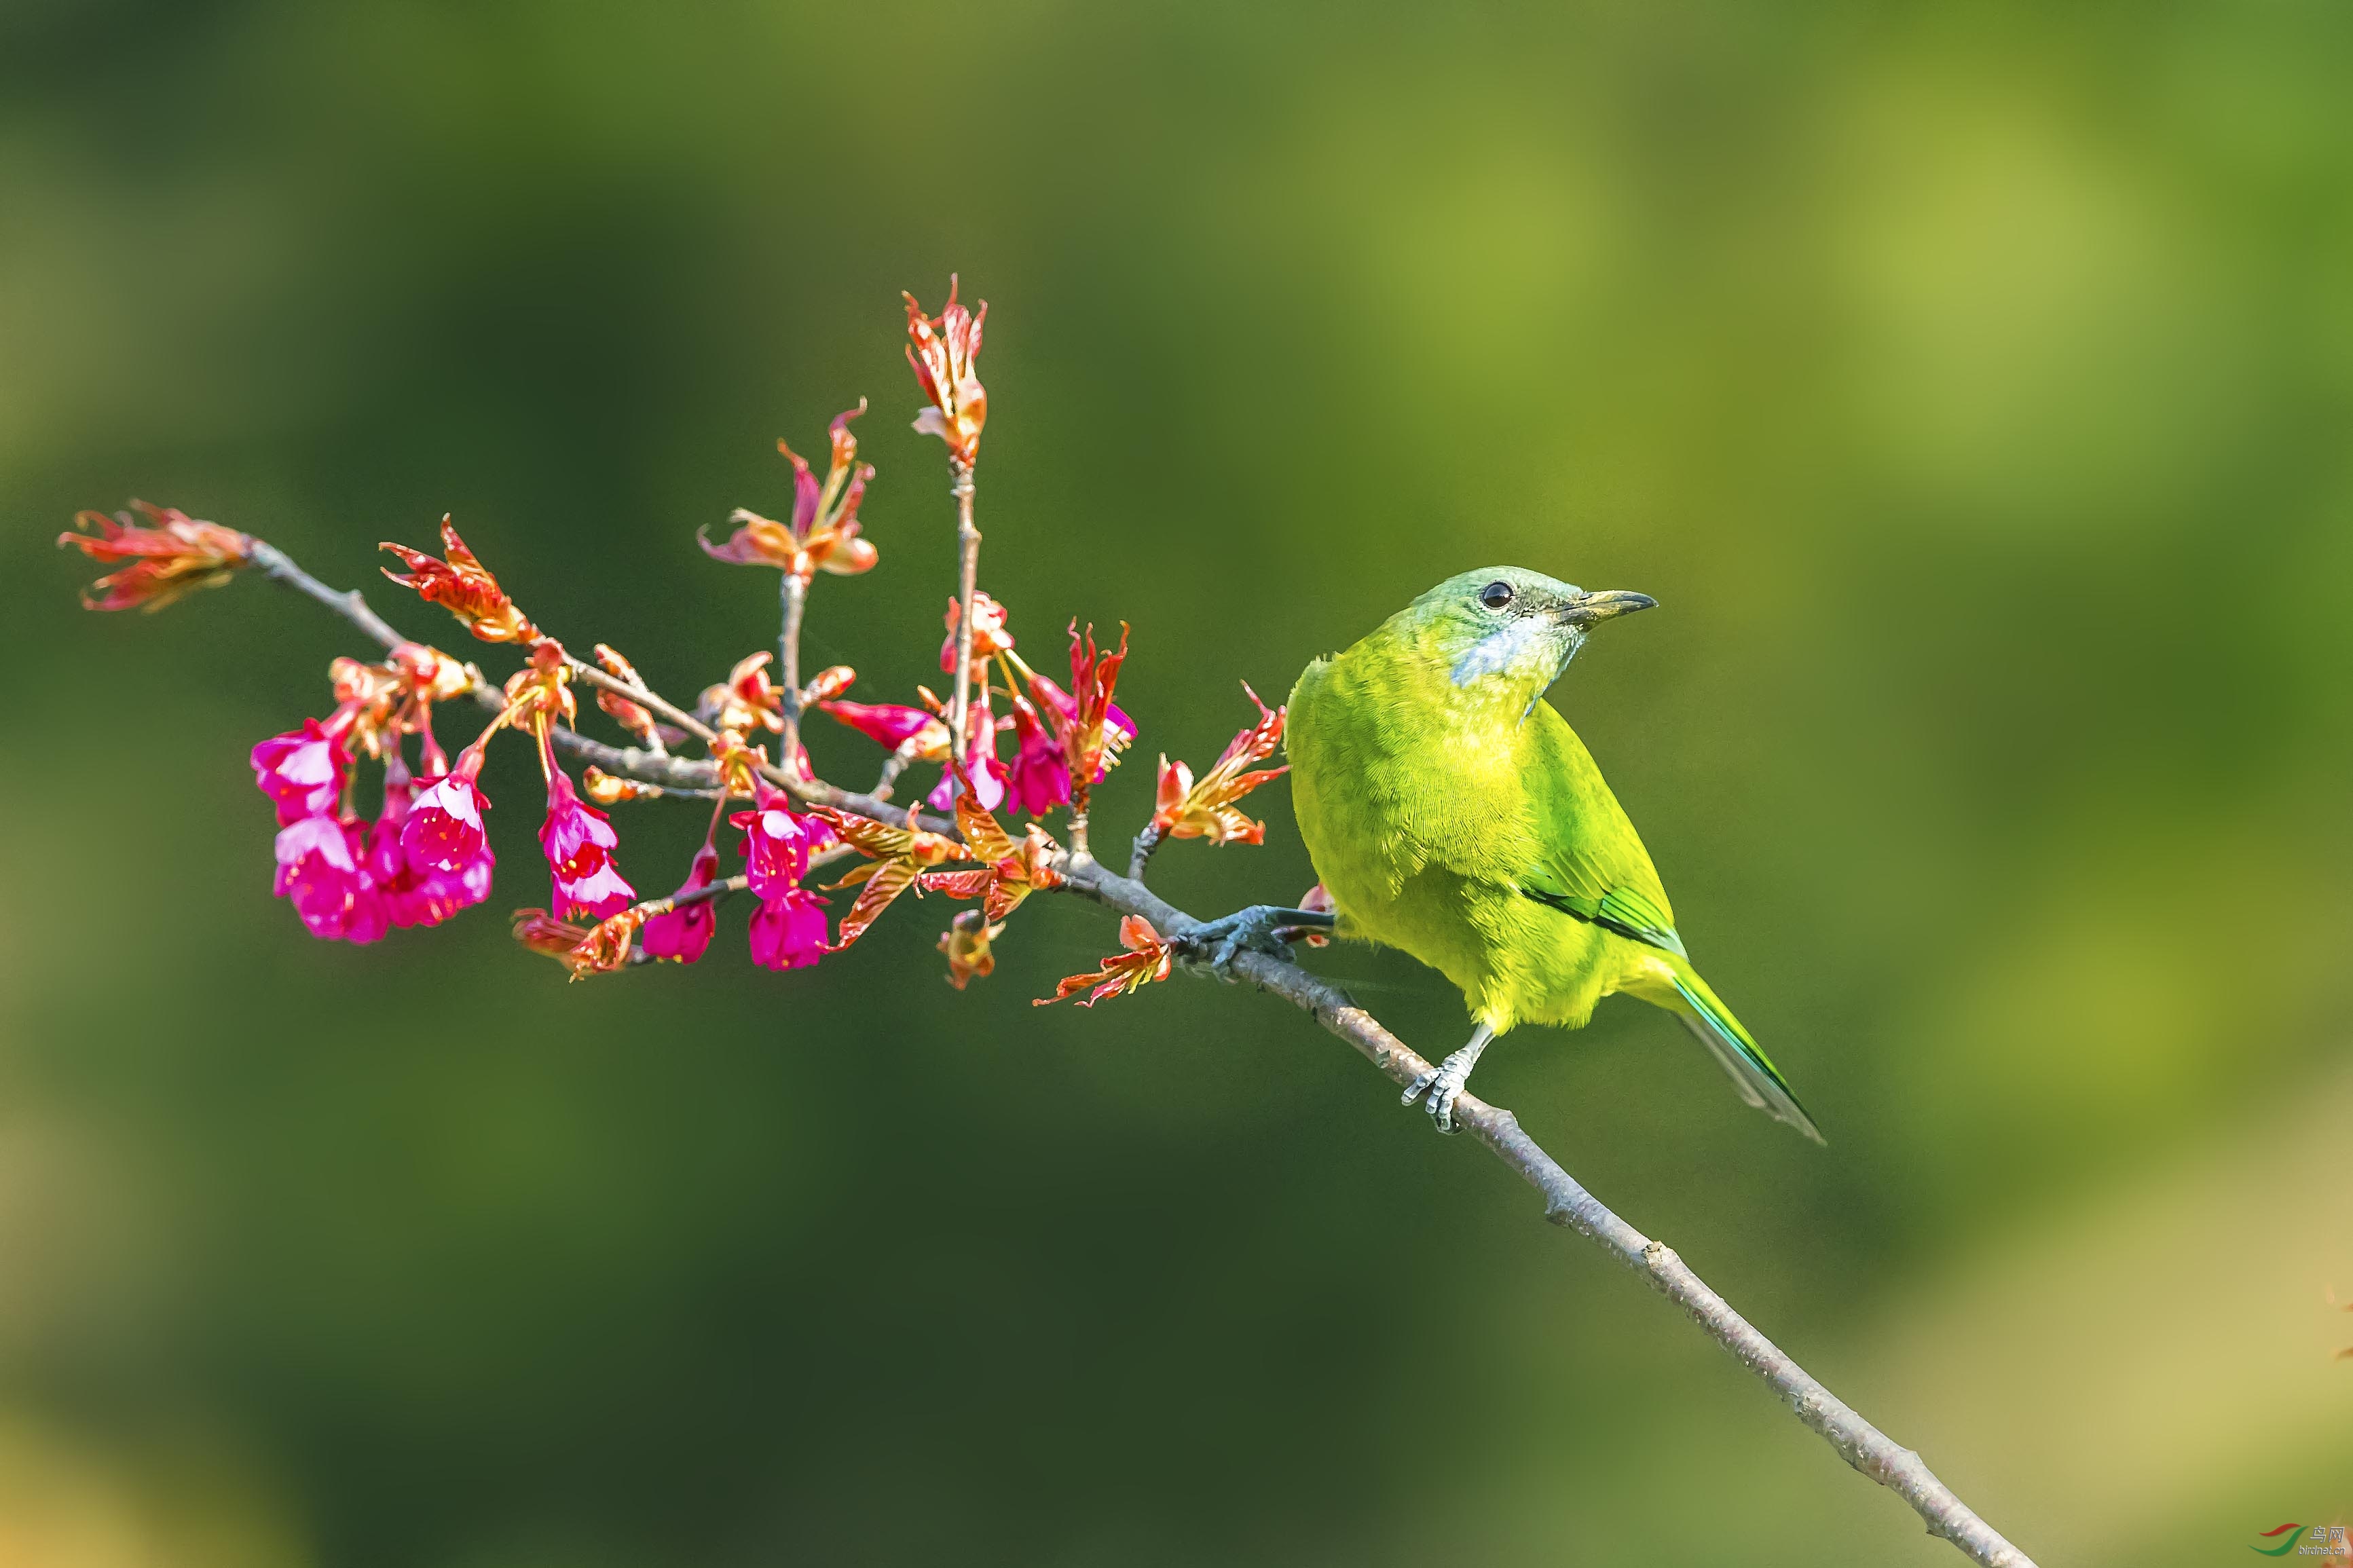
{"points": [[1495, 595]]}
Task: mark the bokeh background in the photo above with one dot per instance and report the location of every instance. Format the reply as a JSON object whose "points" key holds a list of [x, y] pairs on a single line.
{"points": [[1970, 384]]}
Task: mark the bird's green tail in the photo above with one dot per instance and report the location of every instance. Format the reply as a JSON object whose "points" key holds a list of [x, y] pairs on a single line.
{"points": [[1753, 1073]]}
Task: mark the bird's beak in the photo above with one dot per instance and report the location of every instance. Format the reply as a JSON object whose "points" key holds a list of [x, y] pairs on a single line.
{"points": [[1602, 604]]}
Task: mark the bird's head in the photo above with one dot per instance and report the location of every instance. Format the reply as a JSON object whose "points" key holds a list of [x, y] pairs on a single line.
{"points": [[1510, 630]]}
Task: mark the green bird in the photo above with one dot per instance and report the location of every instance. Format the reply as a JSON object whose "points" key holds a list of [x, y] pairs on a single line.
{"points": [[1452, 813]]}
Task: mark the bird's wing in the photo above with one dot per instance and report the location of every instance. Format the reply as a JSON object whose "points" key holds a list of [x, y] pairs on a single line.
{"points": [[1586, 859]]}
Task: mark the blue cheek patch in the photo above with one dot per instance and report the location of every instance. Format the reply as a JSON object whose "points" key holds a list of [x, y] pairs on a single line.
{"points": [[1510, 646]]}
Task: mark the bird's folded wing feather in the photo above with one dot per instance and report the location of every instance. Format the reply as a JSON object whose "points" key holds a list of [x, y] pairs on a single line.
{"points": [[1588, 860]]}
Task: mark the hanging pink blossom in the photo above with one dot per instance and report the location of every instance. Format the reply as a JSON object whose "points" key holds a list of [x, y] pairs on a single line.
{"points": [[683, 935], [414, 894], [443, 830], [318, 874], [776, 842], [578, 841], [302, 771], [789, 930]]}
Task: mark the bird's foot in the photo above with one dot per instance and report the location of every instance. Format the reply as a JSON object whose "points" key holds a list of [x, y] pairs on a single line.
{"points": [[1444, 1082], [1262, 928]]}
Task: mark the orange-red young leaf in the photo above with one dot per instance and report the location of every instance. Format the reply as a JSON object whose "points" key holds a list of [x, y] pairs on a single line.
{"points": [[464, 586], [1147, 959], [898, 858], [171, 557], [1187, 808], [823, 534]]}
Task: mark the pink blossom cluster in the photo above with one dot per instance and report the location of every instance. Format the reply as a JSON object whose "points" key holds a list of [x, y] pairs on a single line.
{"points": [[350, 880]]}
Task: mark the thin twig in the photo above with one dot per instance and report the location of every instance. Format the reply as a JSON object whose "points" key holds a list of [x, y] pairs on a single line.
{"points": [[1566, 1202], [703, 895], [280, 567], [892, 766], [967, 585], [1138, 858], [794, 601], [644, 697]]}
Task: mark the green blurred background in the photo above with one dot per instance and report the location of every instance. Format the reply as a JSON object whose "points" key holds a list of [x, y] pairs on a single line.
{"points": [[1970, 384]]}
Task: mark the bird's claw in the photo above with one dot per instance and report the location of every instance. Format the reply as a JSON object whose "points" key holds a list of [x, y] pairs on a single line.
{"points": [[1444, 1087], [1262, 928]]}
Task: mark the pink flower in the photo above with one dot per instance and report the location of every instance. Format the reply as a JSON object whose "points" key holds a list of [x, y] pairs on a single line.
{"points": [[892, 725], [789, 930], [1040, 776], [443, 831], [414, 894], [1118, 728], [431, 897], [682, 935], [302, 771], [603, 892], [776, 844], [578, 841], [318, 873]]}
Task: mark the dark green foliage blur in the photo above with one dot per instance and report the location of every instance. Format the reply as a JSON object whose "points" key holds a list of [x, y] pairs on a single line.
{"points": [[1972, 385]]}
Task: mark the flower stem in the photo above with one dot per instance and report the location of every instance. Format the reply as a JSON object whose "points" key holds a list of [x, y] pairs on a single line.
{"points": [[968, 584], [795, 595]]}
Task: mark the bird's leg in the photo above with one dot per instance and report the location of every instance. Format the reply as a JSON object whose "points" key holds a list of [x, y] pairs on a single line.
{"points": [[1444, 1082], [1262, 928]]}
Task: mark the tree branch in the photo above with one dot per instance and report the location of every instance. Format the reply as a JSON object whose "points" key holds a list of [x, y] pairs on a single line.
{"points": [[1566, 1202]]}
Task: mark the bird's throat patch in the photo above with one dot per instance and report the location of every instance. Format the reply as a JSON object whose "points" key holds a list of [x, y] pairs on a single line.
{"points": [[1526, 646]]}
